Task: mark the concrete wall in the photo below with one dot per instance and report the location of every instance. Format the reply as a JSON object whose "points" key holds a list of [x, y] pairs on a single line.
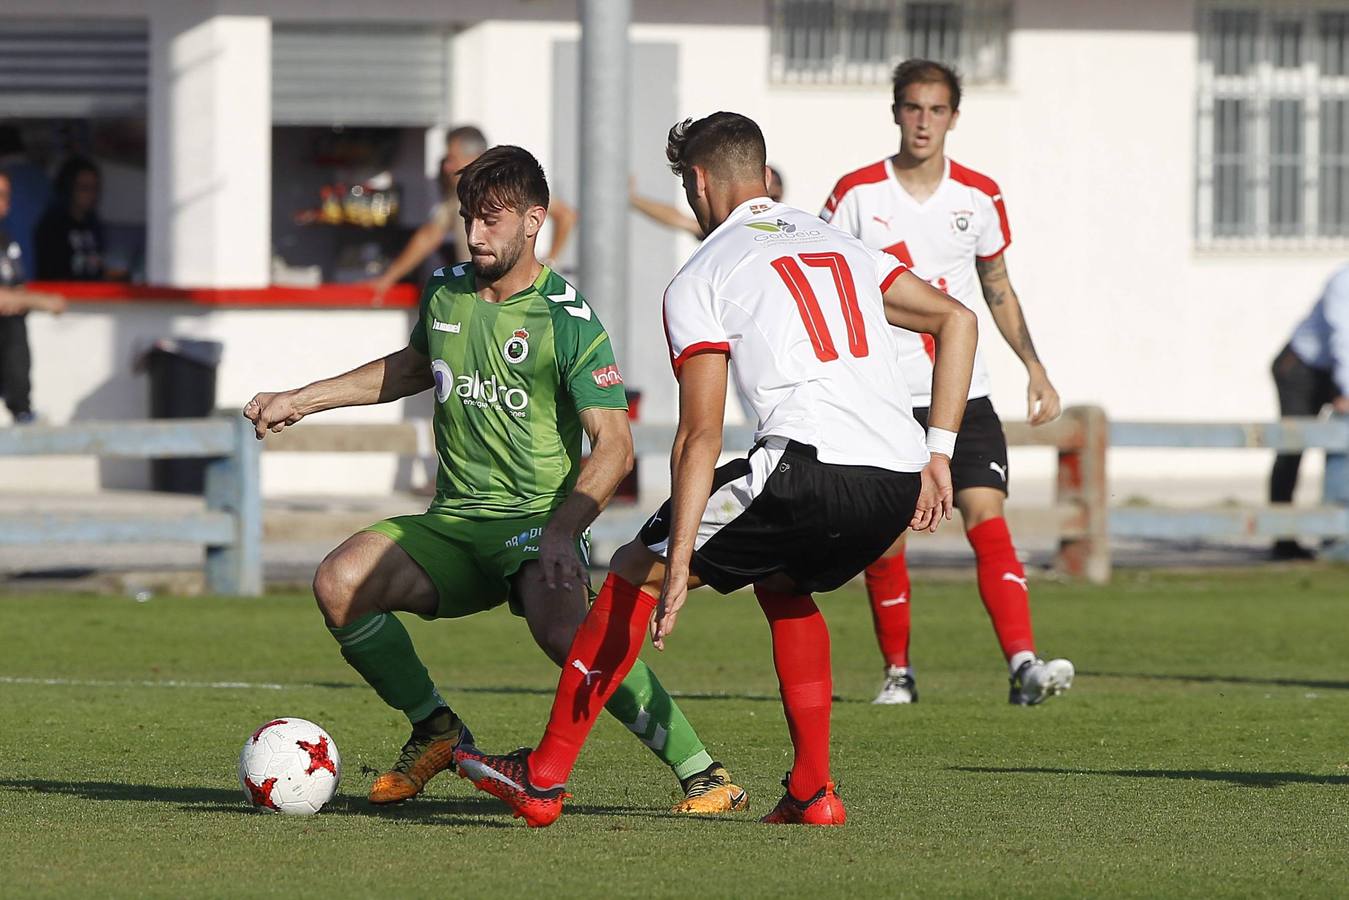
{"points": [[1092, 141]]}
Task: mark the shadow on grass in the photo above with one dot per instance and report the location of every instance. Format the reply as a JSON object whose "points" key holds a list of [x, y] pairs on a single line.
{"points": [[1229, 679], [1241, 779], [522, 690], [485, 811]]}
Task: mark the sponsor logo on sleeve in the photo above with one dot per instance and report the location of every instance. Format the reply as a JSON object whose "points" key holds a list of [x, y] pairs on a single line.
{"points": [[607, 376]]}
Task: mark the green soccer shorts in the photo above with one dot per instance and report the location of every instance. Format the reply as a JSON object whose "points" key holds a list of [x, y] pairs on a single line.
{"points": [[471, 561]]}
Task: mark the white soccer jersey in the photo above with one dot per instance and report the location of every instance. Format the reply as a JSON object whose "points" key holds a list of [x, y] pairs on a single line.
{"points": [[939, 239], [798, 307]]}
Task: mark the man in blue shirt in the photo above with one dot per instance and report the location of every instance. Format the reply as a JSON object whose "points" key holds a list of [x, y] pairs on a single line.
{"points": [[1311, 372]]}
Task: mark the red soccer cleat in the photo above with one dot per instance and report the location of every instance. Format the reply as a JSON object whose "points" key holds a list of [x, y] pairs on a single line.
{"points": [[507, 778], [825, 808]]}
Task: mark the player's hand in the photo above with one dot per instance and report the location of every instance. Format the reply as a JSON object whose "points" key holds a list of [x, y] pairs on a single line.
{"points": [[378, 287], [672, 596], [1042, 401], [561, 565], [1341, 404], [272, 412], [935, 497]]}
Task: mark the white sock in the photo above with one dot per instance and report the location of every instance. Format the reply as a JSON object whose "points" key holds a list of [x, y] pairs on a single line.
{"points": [[1018, 659]]}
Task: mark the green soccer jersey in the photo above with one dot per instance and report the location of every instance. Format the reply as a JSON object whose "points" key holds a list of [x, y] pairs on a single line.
{"points": [[511, 380]]}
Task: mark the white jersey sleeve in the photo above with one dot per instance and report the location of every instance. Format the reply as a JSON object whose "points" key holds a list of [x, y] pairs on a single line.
{"points": [[887, 268], [692, 323]]}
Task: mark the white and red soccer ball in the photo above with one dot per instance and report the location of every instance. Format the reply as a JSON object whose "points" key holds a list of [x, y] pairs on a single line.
{"points": [[289, 766]]}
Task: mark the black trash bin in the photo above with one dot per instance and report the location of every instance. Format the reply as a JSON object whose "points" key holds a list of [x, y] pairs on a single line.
{"points": [[182, 386]]}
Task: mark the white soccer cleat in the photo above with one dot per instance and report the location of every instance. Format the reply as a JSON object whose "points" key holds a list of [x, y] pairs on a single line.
{"points": [[1036, 681], [899, 687]]}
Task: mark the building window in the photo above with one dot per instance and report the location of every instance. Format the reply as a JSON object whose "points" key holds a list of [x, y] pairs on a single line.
{"points": [[836, 42], [1273, 141]]}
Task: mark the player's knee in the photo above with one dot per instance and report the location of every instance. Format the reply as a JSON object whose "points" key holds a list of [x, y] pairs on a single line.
{"points": [[632, 563], [977, 516], [335, 588]]}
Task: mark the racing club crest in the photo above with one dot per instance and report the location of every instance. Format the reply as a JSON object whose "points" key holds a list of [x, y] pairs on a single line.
{"points": [[516, 348], [961, 220]]}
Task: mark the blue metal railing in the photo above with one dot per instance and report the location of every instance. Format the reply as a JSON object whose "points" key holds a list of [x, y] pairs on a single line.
{"points": [[230, 528]]}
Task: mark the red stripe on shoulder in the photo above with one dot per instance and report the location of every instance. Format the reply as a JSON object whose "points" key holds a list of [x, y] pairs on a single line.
{"points": [[976, 180], [894, 273], [868, 175], [987, 186]]}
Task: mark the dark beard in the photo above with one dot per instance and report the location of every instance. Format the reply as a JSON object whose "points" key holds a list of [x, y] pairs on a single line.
{"points": [[504, 262]]}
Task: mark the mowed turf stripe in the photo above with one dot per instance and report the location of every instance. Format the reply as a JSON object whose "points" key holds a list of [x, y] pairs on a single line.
{"points": [[205, 685]]}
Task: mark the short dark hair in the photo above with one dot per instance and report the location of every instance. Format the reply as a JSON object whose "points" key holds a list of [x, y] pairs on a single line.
{"points": [[505, 177], [471, 135], [726, 143], [63, 187], [926, 71]]}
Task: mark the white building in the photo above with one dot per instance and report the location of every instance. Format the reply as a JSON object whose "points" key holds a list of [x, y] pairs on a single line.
{"points": [[1176, 171]]}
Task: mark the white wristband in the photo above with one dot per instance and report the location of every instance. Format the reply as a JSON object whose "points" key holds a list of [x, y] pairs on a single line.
{"points": [[939, 440]]}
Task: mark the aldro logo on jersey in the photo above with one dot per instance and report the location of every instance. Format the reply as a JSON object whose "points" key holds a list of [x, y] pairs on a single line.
{"points": [[474, 390], [516, 348]]}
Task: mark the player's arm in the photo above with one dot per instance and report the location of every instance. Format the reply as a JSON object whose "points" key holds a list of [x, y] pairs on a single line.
{"points": [[915, 305], [18, 300], [610, 461], [665, 214], [1042, 400], [563, 216], [395, 376], [1337, 318], [420, 246], [693, 461]]}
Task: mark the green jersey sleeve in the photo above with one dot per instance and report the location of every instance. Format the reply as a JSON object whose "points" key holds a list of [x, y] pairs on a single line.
{"points": [[417, 340], [585, 358]]}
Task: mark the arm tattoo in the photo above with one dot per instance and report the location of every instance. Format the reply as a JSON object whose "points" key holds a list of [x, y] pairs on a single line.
{"points": [[1027, 349], [993, 278]]}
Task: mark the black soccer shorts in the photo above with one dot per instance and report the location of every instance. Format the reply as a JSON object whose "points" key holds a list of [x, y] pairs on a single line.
{"points": [[980, 458], [782, 510]]}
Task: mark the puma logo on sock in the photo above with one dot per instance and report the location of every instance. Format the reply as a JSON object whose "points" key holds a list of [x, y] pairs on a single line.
{"points": [[902, 598], [1006, 576], [588, 673]]}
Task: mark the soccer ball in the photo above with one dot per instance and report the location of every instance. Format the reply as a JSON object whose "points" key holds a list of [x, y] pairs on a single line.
{"points": [[289, 766]]}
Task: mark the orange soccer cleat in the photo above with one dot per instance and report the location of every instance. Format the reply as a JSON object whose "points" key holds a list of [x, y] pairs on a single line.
{"points": [[423, 757]]}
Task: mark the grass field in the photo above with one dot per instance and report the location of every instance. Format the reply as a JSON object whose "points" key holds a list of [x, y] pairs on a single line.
{"points": [[1204, 751]]}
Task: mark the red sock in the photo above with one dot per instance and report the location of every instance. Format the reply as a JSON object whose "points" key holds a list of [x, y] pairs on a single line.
{"points": [[801, 657], [601, 654], [888, 588], [1002, 585]]}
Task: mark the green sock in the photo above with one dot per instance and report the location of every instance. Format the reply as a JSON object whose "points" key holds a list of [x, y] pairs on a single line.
{"points": [[379, 647], [644, 707]]}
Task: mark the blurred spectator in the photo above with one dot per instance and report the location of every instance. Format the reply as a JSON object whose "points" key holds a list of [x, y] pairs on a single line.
{"points": [[1309, 374], [69, 237], [30, 189], [15, 302], [444, 230], [671, 216]]}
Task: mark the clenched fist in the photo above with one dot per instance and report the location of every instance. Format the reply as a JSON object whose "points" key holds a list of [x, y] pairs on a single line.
{"points": [[272, 412]]}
